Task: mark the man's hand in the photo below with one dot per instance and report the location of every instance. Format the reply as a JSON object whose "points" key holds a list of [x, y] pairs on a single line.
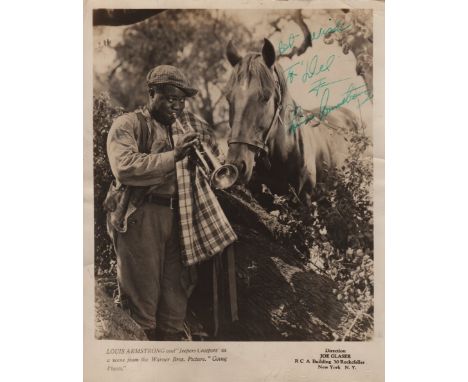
{"points": [[184, 145]]}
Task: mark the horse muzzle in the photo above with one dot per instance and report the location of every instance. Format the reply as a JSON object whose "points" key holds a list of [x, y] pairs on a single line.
{"points": [[243, 159], [244, 173]]}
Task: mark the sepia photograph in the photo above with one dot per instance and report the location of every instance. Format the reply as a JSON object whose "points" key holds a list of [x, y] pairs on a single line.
{"points": [[233, 174]]}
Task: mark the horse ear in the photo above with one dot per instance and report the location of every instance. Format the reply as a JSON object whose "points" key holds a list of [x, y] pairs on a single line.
{"points": [[268, 53], [232, 55]]}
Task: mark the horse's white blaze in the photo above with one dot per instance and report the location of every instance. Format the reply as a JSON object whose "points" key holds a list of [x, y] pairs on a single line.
{"points": [[244, 85]]}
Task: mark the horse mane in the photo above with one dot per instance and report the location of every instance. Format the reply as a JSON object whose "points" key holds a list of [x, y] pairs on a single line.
{"points": [[282, 83], [253, 66]]}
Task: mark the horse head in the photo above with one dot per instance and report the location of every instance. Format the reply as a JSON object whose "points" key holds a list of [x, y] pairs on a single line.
{"points": [[254, 93]]}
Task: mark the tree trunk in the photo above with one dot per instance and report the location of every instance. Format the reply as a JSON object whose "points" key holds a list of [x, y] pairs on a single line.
{"points": [[279, 298]]}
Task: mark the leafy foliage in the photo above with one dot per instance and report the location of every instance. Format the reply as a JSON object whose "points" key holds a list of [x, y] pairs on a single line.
{"points": [[193, 40], [335, 236], [103, 116]]}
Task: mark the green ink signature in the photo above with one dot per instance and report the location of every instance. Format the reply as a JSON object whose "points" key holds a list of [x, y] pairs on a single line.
{"points": [[349, 95], [283, 47], [298, 118], [323, 83], [296, 124], [291, 73], [352, 93], [312, 68], [339, 27]]}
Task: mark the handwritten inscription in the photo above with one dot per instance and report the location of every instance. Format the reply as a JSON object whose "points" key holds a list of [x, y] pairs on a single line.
{"points": [[339, 27], [323, 83], [358, 93], [317, 74], [299, 118], [312, 68], [353, 93], [285, 46], [289, 44]]}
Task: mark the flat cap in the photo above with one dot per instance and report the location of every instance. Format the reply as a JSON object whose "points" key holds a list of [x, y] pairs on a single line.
{"points": [[170, 75]]}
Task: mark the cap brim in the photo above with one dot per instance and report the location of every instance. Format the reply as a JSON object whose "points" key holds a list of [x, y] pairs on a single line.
{"points": [[189, 92]]}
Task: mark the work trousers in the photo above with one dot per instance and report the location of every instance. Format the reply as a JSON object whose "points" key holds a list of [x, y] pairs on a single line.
{"points": [[152, 279]]}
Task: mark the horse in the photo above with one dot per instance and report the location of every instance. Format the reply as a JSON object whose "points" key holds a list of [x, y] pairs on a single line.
{"points": [[266, 134]]}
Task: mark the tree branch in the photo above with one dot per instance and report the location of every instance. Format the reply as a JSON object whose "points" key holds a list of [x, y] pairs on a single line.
{"points": [[299, 20], [275, 26]]}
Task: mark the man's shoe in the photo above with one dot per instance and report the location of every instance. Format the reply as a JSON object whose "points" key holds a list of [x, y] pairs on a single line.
{"points": [[151, 334], [162, 335]]}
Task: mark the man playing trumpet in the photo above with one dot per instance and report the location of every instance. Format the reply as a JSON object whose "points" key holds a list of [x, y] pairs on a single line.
{"points": [[143, 148]]}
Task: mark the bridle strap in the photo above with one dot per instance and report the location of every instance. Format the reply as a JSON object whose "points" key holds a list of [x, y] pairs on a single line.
{"points": [[273, 122], [256, 144]]}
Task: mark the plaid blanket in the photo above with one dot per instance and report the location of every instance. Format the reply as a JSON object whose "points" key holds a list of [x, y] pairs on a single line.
{"points": [[204, 229]]}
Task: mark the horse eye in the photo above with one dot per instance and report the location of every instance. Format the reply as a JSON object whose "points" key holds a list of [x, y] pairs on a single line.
{"points": [[264, 98]]}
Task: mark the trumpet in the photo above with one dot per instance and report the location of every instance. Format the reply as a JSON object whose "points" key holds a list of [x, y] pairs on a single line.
{"points": [[220, 176]]}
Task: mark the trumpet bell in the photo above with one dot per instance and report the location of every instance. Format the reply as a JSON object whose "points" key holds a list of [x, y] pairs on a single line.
{"points": [[224, 176]]}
